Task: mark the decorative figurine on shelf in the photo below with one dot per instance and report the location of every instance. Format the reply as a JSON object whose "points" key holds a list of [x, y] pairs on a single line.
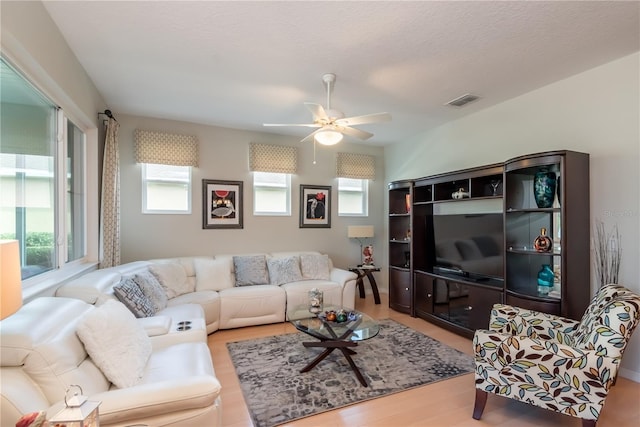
{"points": [[545, 280], [315, 301], [543, 243], [367, 255], [460, 194], [544, 188]]}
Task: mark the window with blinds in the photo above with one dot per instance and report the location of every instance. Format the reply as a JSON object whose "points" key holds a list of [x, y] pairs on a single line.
{"points": [[354, 172], [272, 166], [166, 160]]}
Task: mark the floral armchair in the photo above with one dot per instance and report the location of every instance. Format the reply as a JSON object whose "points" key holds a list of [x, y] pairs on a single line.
{"points": [[552, 362]]}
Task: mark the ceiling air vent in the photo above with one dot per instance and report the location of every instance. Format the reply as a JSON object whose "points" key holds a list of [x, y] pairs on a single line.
{"points": [[463, 100]]}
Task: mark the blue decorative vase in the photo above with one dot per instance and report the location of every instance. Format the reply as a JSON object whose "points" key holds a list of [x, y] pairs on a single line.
{"points": [[545, 280], [544, 188]]}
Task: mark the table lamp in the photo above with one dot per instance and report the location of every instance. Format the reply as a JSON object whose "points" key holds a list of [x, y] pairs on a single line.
{"points": [[10, 282], [361, 232]]}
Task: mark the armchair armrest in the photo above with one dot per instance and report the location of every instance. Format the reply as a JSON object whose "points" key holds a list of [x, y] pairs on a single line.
{"points": [[341, 276], [164, 397], [519, 321]]}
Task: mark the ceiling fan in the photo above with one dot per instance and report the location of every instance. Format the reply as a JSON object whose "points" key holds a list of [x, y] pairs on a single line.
{"points": [[331, 124]]}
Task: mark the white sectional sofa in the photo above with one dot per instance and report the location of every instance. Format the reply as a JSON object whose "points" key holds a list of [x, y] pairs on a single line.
{"points": [[212, 283], [52, 343], [45, 346]]}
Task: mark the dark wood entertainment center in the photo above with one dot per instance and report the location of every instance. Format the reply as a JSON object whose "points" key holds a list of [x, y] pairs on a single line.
{"points": [[452, 272]]}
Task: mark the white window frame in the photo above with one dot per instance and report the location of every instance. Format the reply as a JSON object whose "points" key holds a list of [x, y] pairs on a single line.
{"points": [[145, 180], [286, 211], [365, 197], [62, 268]]}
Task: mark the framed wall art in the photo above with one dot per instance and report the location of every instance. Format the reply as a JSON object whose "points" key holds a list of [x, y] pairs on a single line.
{"points": [[315, 206], [221, 204]]}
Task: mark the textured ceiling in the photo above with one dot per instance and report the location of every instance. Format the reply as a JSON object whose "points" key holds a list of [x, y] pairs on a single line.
{"points": [[241, 64]]}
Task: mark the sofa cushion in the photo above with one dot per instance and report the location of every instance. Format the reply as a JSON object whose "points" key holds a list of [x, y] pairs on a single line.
{"points": [[173, 278], [152, 289], [251, 270], [315, 266], [251, 305], [284, 270], [212, 274], [116, 342], [130, 294]]}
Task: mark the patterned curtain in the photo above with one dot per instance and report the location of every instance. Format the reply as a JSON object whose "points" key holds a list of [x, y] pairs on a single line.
{"points": [[110, 213], [355, 166], [273, 158], [163, 148]]}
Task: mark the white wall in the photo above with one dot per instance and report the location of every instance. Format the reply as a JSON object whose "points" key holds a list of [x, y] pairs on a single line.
{"points": [[596, 112], [224, 155]]}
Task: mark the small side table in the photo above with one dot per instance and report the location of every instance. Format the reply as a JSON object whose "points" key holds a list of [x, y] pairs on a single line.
{"points": [[367, 272]]}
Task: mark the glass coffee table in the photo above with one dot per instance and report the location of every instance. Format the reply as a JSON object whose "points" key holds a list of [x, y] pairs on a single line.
{"points": [[332, 334]]}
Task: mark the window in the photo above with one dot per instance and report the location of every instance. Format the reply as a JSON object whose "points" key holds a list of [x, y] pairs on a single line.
{"points": [[166, 189], [353, 197], [42, 177], [271, 193], [75, 189]]}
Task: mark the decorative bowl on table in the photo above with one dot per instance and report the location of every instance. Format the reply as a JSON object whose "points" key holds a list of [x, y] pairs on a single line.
{"points": [[339, 316]]}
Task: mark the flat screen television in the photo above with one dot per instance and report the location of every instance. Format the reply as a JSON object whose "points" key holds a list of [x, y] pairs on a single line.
{"points": [[468, 239]]}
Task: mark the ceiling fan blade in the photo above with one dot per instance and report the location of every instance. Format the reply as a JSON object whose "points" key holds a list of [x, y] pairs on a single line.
{"points": [[368, 118], [311, 135], [308, 125], [356, 133], [317, 110]]}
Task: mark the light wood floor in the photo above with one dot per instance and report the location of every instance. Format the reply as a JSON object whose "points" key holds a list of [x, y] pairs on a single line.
{"points": [[445, 403]]}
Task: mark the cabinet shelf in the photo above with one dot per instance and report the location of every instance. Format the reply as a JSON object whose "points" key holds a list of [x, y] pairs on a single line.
{"points": [[532, 252], [400, 217], [532, 210], [534, 297]]}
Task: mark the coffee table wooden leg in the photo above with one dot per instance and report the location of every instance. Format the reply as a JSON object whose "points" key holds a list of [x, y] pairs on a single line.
{"points": [[317, 360], [354, 368]]}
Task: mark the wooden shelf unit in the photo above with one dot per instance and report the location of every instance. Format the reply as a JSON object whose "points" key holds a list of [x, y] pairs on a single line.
{"points": [[461, 303]]}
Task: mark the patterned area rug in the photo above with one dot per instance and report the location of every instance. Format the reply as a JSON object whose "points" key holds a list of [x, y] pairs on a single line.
{"points": [[398, 359]]}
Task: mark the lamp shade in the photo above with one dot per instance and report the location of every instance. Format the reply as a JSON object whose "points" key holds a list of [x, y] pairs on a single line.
{"points": [[10, 283], [359, 231], [328, 137]]}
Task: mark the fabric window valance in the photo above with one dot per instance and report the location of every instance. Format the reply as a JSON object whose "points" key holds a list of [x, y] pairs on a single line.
{"points": [[165, 148], [355, 166], [273, 158]]}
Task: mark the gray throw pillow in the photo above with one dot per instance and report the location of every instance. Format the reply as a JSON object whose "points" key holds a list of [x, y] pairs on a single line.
{"points": [[130, 294], [152, 289], [284, 270], [251, 270]]}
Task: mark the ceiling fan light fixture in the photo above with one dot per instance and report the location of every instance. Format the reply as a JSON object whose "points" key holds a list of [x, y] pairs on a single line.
{"points": [[328, 137]]}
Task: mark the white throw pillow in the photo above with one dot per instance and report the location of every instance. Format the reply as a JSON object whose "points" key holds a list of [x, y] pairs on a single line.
{"points": [[212, 274], [315, 266], [173, 278], [116, 343], [284, 270]]}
